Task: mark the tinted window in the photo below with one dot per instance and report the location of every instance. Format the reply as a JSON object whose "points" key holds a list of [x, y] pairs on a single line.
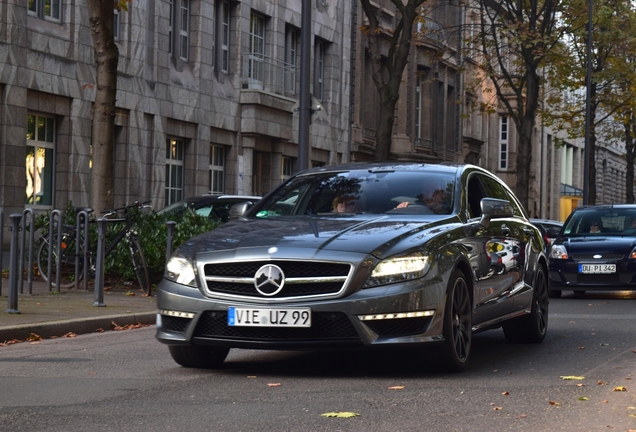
{"points": [[361, 192]]}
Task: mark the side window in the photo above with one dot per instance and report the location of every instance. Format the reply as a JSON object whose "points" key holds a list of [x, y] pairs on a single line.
{"points": [[479, 187]]}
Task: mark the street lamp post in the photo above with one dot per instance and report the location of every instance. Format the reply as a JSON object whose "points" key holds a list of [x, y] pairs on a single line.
{"points": [[304, 108]]}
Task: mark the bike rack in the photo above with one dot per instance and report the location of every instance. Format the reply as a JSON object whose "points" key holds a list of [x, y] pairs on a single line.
{"points": [[99, 269], [82, 223], [55, 220]]}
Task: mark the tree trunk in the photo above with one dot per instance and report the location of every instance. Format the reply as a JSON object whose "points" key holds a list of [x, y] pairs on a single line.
{"points": [[629, 159], [591, 165], [106, 53]]}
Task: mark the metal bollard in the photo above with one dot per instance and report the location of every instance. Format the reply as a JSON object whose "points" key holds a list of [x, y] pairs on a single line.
{"points": [[1, 242], [170, 225], [28, 217], [99, 269], [13, 265]]}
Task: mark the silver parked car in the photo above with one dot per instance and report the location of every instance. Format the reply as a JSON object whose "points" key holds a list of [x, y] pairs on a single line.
{"points": [[377, 255]]}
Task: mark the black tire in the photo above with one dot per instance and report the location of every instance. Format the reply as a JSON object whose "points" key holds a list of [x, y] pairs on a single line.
{"points": [[139, 264], [200, 357], [454, 354], [531, 328], [579, 291], [67, 263]]}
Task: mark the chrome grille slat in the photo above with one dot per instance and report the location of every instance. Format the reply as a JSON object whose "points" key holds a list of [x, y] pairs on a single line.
{"points": [[590, 256], [303, 279]]}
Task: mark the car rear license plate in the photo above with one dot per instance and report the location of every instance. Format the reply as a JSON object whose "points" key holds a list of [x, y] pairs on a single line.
{"points": [[597, 268], [266, 317]]}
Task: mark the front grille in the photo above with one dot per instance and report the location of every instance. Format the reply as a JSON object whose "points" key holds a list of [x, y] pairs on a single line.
{"points": [[174, 324], [590, 256], [237, 278], [400, 327], [325, 326]]}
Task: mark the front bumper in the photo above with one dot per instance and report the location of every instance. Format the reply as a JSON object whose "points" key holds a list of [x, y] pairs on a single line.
{"points": [[564, 275], [186, 316]]}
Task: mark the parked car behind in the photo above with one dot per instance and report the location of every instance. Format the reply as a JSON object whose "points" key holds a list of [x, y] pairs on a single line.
{"points": [[549, 228], [596, 250], [376, 255], [215, 207]]}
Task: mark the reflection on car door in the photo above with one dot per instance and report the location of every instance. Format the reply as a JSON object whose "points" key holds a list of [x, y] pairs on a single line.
{"points": [[500, 260]]}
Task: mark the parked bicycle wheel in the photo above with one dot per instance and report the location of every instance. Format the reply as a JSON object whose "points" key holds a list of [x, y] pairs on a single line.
{"points": [[139, 263], [66, 258]]}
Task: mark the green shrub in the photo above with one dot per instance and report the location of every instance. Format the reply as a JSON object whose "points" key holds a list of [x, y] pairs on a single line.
{"points": [[152, 233]]}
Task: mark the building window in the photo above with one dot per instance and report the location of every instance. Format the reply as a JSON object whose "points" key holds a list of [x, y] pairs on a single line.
{"points": [[179, 20], [116, 23], [40, 160], [286, 168], [217, 169], [503, 142], [257, 47], [291, 57], [46, 9], [418, 107], [224, 13], [319, 69], [174, 170]]}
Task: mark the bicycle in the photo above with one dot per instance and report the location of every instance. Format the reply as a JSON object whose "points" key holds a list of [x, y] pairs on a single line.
{"points": [[68, 248]]}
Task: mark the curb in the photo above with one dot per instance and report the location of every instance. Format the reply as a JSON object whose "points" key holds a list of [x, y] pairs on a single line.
{"points": [[77, 326]]}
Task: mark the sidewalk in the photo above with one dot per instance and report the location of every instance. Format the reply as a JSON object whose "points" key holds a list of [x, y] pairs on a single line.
{"points": [[48, 314]]}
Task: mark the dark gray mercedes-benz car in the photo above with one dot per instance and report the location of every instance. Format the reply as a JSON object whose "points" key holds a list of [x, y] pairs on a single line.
{"points": [[375, 255]]}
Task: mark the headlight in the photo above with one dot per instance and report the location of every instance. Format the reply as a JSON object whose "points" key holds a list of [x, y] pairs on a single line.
{"points": [[558, 252], [399, 268], [633, 254], [180, 270]]}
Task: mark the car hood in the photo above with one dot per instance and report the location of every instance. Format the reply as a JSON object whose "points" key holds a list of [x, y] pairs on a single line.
{"points": [[597, 244], [376, 235]]}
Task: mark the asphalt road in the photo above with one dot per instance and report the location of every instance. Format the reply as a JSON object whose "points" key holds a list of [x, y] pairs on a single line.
{"points": [[120, 381]]}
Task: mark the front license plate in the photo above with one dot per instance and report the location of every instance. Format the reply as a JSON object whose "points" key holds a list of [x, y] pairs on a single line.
{"points": [[597, 268], [265, 317]]}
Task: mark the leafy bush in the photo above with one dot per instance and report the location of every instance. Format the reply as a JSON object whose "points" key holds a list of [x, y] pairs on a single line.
{"points": [[152, 233]]}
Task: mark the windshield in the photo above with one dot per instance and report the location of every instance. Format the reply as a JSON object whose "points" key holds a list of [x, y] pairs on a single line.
{"points": [[361, 192], [614, 221]]}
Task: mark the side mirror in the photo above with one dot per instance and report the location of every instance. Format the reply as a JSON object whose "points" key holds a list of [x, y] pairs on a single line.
{"points": [[494, 208], [239, 209]]}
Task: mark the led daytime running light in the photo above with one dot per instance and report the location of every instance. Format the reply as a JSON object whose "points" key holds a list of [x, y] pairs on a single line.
{"points": [[398, 315], [177, 313]]}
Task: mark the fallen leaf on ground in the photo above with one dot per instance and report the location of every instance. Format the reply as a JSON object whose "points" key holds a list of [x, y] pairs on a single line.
{"points": [[581, 347], [620, 388], [396, 387], [572, 377], [340, 414], [554, 403], [69, 335], [99, 330], [601, 383], [497, 408], [604, 344], [522, 416], [505, 393], [33, 337], [117, 327], [583, 398], [273, 384]]}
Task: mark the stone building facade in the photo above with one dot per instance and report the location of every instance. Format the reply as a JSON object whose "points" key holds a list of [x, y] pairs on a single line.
{"points": [[206, 100]]}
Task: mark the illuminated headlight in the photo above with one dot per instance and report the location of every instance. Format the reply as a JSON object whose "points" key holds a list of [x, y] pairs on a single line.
{"points": [[633, 254], [558, 252], [398, 269], [180, 270], [177, 314]]}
